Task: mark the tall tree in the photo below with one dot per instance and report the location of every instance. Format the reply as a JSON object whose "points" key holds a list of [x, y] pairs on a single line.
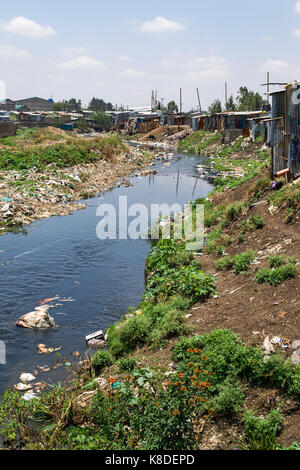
{"points": [[172, 107], [249, 100], [215, 107], [230, 105]]}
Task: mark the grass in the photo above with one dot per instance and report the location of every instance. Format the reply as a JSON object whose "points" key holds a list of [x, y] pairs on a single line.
{"points": [[64, 152], [274, 277]]}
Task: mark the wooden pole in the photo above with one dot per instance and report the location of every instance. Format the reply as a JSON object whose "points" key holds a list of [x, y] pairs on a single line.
{"points": [[200, 109], [226, 94], [268, 86]]}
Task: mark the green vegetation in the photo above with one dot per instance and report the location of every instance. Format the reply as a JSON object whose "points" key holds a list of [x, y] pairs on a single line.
{"points": [[240, 263], [198, 141], [101, 360], [71, 151], [260, 433], [276, 276]]}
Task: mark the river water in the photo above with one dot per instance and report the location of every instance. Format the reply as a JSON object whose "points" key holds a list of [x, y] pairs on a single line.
{"points": [[62, 256]]}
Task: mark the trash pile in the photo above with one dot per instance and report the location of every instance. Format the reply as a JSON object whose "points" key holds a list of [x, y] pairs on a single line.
{"points": [[39, 319], [30, 194], [271, 346]]}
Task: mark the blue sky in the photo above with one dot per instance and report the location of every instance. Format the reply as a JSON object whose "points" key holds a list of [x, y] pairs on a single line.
{"points": [[120, 51]]}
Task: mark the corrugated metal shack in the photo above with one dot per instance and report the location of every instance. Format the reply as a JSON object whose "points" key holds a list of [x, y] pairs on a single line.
{"points": [[285, 130]]}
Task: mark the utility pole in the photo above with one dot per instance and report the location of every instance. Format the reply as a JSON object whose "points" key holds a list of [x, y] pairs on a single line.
{"points": [[226, 95], [180, 109], [268, 86], [198, 94]]}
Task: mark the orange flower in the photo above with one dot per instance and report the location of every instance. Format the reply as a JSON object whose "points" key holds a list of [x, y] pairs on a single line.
{"points": [[180, 375], [112, 380]]}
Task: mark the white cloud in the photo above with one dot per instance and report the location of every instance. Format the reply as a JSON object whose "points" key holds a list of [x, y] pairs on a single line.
{"points": [[281, 69], [272, 65], [199, 67], [297, 7], [80, 62], [124, 58], [161, 25], [268, 38], [25, 27], [73, 51], [132, 73], [14, 53], [296, 33]]}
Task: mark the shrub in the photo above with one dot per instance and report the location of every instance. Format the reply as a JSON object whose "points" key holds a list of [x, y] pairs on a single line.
{"points": [[225, 263], [172, 324], [243, 261], [129, 335], [255, 222], [101, 360], [187, 281], [229, 398], [260, 433], [274, 277], [126, 364], [233, 211]]}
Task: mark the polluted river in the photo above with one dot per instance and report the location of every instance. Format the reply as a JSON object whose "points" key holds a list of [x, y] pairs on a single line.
{"points": [[95, 281]]}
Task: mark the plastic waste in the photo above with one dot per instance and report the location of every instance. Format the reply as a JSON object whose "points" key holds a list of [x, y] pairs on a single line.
{"points": [[42, 349], [40, 319], [27, 378]]}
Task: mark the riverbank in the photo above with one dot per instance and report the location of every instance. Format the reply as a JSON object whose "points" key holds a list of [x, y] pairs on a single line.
{"points": [[43, 171], [210, 389]]}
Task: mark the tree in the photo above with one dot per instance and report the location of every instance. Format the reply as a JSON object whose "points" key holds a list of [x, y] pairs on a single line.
{"points": [[97, 105], [215, 107], [230, 105], [248, 100], [102, 119], [172, 107]]}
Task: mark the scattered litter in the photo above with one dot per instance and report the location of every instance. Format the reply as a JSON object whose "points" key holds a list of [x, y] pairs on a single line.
{"points": [[276, 340], [76, 354], [40, 318], [27, 378], [256, 333], [21, 387], [69, 299], [42, 349], [116, 385], [46, 301], [188, 315], [29, 396], [96, 340], [44, 368], [268, 346]]}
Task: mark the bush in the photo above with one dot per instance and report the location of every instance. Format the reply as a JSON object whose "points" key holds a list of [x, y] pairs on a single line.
{"points": [[126, 364], [172, 324], [233, 211], [255, 222], [225, 263], [125, 337], [260, 433], [243, 261], [274, 277], [101, 360], [229, 399], [187, 281]]}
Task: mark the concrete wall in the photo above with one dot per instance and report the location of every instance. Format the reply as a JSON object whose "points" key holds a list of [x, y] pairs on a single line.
{"points": [[7, 129]]}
